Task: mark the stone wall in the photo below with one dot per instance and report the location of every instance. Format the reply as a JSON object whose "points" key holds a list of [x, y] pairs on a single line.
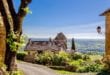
{"points": [[2, 39], [107, 34]]}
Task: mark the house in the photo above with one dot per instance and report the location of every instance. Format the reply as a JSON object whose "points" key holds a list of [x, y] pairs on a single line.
{"points": [[54, 45]]}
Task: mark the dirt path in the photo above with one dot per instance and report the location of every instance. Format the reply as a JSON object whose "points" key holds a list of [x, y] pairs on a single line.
{"points": [[34, 69]]}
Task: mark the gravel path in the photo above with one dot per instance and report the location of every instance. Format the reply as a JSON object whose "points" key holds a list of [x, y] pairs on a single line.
{"points": [[34, 69]]}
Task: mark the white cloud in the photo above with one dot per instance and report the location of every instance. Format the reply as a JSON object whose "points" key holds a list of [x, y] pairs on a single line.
{"points": [[77, 36], [86, 36], [85, 31]]}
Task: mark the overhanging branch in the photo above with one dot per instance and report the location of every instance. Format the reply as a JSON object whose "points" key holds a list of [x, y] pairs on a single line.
{"points": [[21, 14]]}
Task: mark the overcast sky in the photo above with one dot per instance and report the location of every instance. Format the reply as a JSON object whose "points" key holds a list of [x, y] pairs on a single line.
{"points": [[75, 18]]}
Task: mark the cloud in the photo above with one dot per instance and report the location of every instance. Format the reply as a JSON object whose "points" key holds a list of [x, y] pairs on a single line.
{"points": [[84, 31], [76, 36], [86, 36]]}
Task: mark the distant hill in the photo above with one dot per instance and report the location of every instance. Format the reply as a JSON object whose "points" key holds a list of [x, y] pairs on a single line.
{"points": [[89, 45]]}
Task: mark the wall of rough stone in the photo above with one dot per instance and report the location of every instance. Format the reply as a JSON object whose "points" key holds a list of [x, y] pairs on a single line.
{"points": [[2, 40], [107, 34]]}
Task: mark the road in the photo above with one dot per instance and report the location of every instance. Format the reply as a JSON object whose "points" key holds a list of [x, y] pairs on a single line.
{"points": [[34, 69]]}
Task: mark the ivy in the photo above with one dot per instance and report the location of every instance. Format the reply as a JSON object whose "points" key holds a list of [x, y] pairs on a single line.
{"points": [[13, 44]]}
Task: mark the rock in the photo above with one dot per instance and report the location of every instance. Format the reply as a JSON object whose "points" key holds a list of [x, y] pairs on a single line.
{"points": [[2, 72]]}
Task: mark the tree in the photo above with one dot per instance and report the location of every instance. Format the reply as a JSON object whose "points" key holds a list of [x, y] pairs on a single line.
{"points": [[13, 24], [73, 44]]}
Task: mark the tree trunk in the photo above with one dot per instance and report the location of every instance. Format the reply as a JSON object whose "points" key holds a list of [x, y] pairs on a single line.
{"points": [[12, 23]]}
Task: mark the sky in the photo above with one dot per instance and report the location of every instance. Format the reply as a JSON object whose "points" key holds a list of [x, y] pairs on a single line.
{"points": [[75, 18]]}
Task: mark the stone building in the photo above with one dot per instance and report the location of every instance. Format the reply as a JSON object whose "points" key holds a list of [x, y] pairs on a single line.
{"points": [[54, 45], [107, 34], [2, 39]]}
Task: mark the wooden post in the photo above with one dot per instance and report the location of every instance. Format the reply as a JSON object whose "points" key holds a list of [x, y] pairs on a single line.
{"points": [[2, 39]]}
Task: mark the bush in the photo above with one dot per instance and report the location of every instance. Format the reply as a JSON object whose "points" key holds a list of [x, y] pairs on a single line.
{"points": [[61, 58], [50, 58], [86, 57], [91, 67], [76, 56], [76, 62], [20, 56], [104, 72], [45, 58], [74, 65]]}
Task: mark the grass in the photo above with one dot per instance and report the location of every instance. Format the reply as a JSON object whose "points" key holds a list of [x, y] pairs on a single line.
{"points": [[19, 72], [63, 72], [96, 57]]}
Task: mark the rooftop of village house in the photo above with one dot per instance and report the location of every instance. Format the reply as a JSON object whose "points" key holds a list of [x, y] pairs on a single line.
{"points": [[52, 44]]}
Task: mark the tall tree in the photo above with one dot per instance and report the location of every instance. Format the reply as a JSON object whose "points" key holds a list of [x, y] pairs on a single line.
{"points": [[13, 24], [73, 44]]}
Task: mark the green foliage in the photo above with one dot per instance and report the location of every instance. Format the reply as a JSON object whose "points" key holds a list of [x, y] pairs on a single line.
{"points": [[76, 56], [44, 58], [52, 59], [61, 58], [11, 40], [104, 72], [20, 56], [16, 73], [91, 67], [27, 10], [86, 57], [76, 62], [74, 65]]}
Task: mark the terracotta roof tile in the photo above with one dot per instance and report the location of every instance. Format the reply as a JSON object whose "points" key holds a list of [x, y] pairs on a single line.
{"points": [[105, 12]]}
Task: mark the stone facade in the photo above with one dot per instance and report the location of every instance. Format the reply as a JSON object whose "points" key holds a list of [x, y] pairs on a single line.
{"points": [[54, 45], [107, 32], [106, 58], [59, 43], [2, 39]]}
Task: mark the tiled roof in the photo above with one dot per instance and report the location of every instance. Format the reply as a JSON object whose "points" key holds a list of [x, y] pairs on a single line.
{"points": [[56, 44], [105, 12], [42, 45]]}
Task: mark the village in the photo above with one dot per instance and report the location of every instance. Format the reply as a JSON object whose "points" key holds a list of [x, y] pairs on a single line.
{"points": [[59, 43]]}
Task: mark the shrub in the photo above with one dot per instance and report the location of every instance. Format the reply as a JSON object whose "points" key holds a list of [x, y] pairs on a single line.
{"points": [[98, 61], [50, 58], [76, 56], [76, 62], [86, 57], [93, 67], [45, 58], [57, 60], [74, 65], [104, 72], [61, 58], [20, 56]]}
